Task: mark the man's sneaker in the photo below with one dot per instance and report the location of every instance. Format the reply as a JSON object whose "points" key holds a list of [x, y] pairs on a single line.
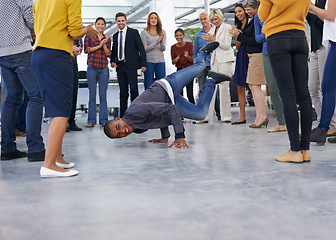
{"points": [[332, 140], [219, 77], [36, 156], [209, 47], [13, 155], [319, 136]]}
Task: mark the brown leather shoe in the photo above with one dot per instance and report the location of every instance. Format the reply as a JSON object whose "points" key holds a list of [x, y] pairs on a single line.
{"points": [[288, 157], [305, 156], [278, 128], [331, 133]]}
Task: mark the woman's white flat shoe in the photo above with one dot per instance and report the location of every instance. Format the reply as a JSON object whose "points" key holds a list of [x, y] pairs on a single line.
{"points": [[48, 173], [65, 166]]}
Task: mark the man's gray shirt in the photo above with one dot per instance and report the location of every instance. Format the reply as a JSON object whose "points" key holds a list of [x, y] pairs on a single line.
{"points": [[153, 109], [16, 18]]}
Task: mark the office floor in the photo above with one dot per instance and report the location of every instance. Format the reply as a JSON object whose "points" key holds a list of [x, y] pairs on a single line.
{"points": [[226, 186]]}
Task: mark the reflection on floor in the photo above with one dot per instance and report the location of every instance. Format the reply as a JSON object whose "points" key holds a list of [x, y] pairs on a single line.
{"points": [[226, 186]]}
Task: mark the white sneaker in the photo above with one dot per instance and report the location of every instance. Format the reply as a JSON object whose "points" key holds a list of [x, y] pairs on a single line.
{"points": [[65, 166], [48, 173]]}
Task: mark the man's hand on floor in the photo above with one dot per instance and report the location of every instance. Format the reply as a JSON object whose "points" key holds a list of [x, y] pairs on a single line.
{"points": [[160, 140], [180, 142]]}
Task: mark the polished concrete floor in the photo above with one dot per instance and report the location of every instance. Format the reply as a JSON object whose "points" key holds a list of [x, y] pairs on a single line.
{"points": [[226, 186]]}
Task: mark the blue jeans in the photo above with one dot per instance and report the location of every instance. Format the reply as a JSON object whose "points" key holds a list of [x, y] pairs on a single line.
{"points": [[17, 74], [101, 76], [159, 69], [180, 79], [288, 53], [328, 88]]}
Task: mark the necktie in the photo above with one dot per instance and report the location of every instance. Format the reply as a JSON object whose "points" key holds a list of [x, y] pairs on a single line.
{"points": [[120, 45]]}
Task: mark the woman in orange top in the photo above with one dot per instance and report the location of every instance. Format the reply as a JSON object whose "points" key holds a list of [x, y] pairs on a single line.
{"points": [[288, 52]]}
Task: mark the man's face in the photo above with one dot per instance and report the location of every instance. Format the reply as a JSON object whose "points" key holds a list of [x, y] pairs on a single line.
{"points": [[119, 128], [121, 22], [204, 20]]}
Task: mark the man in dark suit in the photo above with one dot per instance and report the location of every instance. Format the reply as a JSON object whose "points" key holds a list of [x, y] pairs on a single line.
{"points": [[128, 55]]}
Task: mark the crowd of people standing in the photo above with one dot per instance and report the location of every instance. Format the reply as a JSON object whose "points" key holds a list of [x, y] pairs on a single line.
{"points": [[272, 50]]}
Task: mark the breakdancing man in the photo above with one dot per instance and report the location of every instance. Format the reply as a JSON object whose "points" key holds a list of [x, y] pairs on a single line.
{"points": [[162, 105]]}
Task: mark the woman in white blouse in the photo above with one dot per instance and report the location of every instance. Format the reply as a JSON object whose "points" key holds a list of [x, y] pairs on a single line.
{"points": [[154, 41], [221, 61]]}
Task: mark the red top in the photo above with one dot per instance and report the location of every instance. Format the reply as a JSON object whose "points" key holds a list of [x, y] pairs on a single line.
{"points": [[98, 58], [179, 51]]}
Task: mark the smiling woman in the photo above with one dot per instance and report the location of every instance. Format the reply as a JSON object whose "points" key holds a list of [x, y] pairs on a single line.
{"points": [[221, 61], [154, 40], [98, 49], [182, 57]]}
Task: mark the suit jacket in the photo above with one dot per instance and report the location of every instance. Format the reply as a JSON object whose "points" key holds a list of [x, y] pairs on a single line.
{"points": [[224, 52], [135, 54]]}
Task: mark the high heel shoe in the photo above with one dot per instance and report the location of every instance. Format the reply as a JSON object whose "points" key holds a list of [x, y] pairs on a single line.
{"points": [[263, 123]]}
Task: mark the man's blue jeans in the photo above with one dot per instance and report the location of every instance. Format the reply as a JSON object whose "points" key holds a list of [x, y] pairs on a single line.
{"points": [[101, 76], [328, 88], [180, 79], [17, 74]]}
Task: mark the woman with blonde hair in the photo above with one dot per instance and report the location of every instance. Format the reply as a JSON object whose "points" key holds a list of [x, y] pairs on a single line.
{"points": [[221, 61], [154, 40]]}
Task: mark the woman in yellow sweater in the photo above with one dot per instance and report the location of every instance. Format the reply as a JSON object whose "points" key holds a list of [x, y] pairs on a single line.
{"points": [[57, 23], [288, 52]]}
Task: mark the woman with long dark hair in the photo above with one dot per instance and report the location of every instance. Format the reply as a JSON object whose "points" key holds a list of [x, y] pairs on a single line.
{"points": [[154, 41], [255, 72], [242, 62]]}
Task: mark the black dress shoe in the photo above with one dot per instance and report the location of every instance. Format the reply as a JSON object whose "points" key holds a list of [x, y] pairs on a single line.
{"points": [[236, 122], [332, 140], [13, 155], [36, 156], [209, 47], [219, 77], [74, 127]]}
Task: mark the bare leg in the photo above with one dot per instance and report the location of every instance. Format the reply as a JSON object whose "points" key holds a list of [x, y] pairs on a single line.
{"points": [[259, 101], [54, 143], [242, 103]]}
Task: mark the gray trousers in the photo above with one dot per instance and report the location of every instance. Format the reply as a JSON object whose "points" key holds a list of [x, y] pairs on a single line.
{"points": [[273, 90]]}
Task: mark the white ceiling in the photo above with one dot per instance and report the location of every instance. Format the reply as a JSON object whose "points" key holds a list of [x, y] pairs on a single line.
{"points": [[186, 11]]}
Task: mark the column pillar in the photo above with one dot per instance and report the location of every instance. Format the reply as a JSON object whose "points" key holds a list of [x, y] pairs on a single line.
{"points": [[206, 6]]}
